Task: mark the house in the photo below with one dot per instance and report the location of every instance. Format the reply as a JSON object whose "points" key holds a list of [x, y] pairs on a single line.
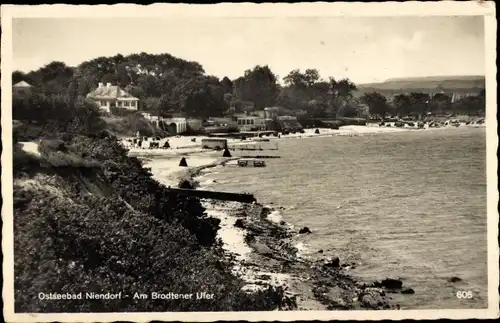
{"points": [[289, 123], [107, 96], [22, 87], [250, 123], [223, 121]]}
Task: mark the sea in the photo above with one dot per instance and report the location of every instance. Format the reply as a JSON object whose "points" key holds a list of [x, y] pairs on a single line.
{"points": [[408, 205]]}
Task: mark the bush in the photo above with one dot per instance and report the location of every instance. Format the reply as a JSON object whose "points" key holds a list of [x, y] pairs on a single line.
{"points": [[52, 115], [113, 228], [95, 244], [189, 183], [134, 122], [121, 112]]}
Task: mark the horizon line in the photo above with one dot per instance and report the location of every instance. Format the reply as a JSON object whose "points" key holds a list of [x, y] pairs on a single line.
{"points": [[396, 78]]}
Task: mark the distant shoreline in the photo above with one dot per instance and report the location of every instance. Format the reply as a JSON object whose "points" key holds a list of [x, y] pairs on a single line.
{"points": [[185, 146]]}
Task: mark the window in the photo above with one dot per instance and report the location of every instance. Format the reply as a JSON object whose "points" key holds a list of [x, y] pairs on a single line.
{"points": [[125, 103]]}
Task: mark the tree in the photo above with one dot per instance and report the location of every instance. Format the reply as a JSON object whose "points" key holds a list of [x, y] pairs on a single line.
{"points": [[377, 103], [295, 79], [72, 91], [109, 78], [347, 111], [311, 76], [258, 85], [470, 105], [344, 88], [122, 76], [402, 104], [440, 103], [201, 96], [227, 84], [136, 91], [419, 103], [305, 91], [52, 78], [150, 85], [341, 94], [321, 98], [18, 76]]}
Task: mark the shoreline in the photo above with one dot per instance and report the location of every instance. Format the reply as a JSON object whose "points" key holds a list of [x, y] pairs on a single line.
{"points": [[187, 145], [263, 250]]}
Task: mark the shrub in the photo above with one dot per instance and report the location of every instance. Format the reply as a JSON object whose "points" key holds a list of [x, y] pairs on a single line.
{"points": [[189, 183], [94, 244], [51, 115], [121, 111], [130, 124], [114, 228]]}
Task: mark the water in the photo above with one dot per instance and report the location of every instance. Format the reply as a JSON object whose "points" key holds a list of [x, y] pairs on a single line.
{"points": [[409, 204]]}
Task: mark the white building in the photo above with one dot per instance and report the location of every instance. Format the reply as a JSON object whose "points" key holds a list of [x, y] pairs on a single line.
{"points": [[177, 125], [22, 87], [150, 117], [251, 123], [106, 96]]}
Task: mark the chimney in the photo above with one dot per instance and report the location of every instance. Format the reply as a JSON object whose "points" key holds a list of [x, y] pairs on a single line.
{"points": [[108, 84], [100, 84]]}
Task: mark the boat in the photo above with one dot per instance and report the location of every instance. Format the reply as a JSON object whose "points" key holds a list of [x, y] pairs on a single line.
{"points": [[249, 162]]}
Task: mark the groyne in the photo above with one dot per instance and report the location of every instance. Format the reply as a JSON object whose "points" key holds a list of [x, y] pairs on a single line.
{"points": [[224, 196], [260, 156]]}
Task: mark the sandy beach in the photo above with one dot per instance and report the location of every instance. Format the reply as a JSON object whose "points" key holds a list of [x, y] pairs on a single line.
{"points": [[183, 145]]}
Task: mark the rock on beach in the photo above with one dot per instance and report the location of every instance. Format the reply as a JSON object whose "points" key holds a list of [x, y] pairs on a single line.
{"points": [[304, 230]]}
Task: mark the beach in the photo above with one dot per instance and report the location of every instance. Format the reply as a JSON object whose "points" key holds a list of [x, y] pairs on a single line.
{"points": [[265, 248]]}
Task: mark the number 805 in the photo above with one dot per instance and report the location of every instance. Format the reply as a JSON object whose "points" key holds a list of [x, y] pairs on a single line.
{"points": [[464, 294]]}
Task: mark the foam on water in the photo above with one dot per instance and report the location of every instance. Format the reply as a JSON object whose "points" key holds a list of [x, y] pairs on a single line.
{"points": [[233, 238], [302, 249], [275, 216]]}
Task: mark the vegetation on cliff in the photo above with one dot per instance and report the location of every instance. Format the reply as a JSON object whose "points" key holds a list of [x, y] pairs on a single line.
{"points": [[88, 218]]}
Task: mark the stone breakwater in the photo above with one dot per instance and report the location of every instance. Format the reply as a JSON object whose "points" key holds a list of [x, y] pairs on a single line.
{"points": [[265, 256]]}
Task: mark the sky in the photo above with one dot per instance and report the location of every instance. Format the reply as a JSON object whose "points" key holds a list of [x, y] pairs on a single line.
{"points": [[364, 49]]}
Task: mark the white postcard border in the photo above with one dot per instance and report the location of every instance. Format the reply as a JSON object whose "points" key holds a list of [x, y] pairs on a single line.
{"points": [[441, 8]]}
